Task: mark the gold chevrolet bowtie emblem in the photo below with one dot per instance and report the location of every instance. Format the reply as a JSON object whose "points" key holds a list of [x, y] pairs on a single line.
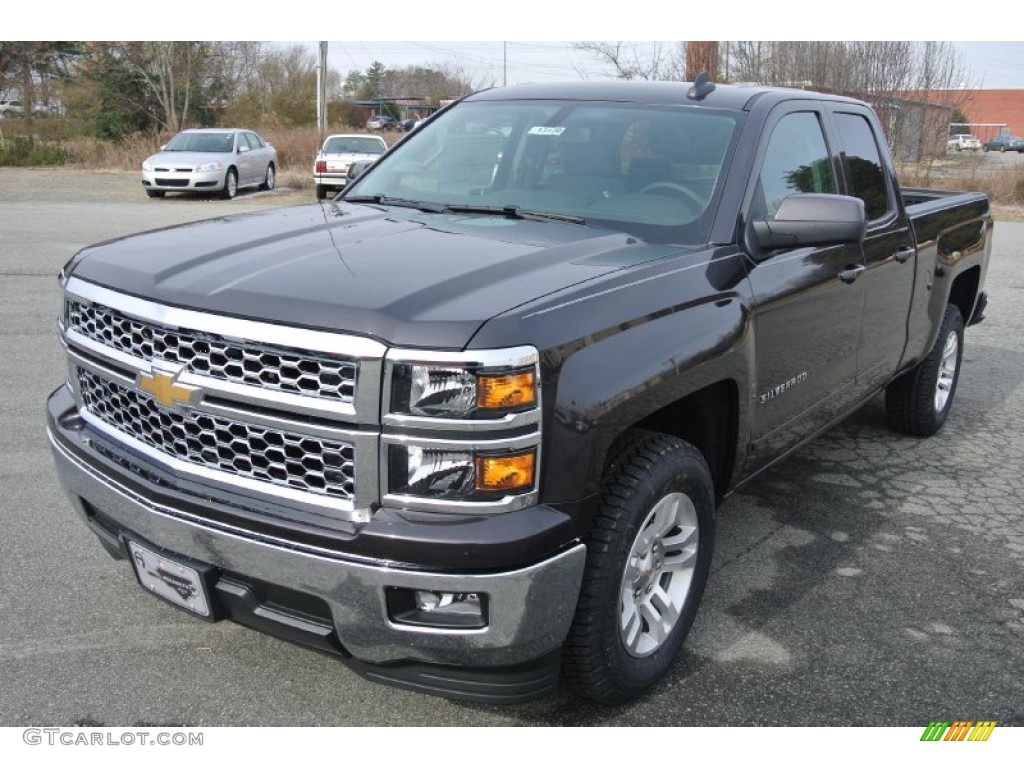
{"points": [[162, 386]]}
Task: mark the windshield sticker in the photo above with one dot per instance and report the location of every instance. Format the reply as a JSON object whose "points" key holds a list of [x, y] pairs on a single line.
{"points": [[546, 130]]}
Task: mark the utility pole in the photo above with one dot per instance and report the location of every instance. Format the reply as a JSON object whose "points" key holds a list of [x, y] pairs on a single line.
{"points": [[321, 88]]}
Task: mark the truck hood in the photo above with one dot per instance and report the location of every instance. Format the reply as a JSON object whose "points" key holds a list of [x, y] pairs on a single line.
{"points": [[398, 275]]}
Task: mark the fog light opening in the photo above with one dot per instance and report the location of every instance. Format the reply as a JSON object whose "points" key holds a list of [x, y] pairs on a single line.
{"points": [[440, 610]]}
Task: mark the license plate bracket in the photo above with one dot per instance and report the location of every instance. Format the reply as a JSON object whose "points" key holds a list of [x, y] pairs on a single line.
{"points": [[178, 580]]}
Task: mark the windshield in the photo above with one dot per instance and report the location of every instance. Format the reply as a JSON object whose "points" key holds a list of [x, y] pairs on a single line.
{"points": [[363, 145], [653, 171], [201, 142]]}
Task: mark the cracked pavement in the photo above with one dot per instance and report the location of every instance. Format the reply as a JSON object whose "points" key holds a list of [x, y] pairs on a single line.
{"points": [[869, 579]]}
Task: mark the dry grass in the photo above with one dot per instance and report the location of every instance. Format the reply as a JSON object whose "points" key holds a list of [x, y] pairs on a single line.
{"points": [[1003, 185]]}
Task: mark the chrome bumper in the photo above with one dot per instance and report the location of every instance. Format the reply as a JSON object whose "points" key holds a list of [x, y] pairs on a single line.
{"points": [[530, 609]]}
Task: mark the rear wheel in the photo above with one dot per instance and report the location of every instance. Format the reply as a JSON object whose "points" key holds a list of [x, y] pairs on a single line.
{"points": [[648, 558], [321, 191], [230, 185], [918, 402]]}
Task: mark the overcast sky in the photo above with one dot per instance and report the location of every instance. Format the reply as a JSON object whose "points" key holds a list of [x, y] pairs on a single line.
{"points": [[994, 65]]}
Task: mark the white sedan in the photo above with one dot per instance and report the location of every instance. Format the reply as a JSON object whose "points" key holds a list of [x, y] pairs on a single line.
{"points": [[330, 170]]}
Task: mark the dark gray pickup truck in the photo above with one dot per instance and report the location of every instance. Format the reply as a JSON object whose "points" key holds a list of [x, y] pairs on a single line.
{"points": [[466, 425]]}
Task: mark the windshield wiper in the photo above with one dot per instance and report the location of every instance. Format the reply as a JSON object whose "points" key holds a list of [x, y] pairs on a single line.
{"points": [[399, 202], [515, 212]]}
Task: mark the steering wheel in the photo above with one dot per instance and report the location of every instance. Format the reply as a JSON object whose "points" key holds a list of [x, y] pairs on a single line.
{"points": [[677, 190]]}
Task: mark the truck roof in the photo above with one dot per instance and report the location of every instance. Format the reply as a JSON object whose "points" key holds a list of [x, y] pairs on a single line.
{"points": [[652, 92]]}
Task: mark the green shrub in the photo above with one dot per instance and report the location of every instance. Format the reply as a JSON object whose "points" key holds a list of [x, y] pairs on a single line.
{"points": [[26, 151]]}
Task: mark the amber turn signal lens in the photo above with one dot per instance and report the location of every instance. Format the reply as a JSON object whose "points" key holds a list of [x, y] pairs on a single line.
{"points": [[505, 473], [506, 391]]}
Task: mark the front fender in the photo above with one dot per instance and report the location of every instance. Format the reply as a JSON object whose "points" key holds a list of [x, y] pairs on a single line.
{"points": [[609, 385]]}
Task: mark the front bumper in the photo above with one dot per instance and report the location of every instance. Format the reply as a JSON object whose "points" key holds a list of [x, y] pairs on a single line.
{"points": [[530, 606], [176, 181]]}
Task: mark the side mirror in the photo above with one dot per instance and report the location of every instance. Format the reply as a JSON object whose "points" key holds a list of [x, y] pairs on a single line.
{"points": [[242, 149], [163, 147], [358, 168], [812, 219]]}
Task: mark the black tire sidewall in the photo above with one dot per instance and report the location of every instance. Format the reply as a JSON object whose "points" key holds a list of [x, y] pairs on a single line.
{"points": [[952, 322], [680, 470]]}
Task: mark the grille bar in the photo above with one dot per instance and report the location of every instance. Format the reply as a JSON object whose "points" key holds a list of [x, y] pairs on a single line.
{"points": [[314, 465], [263, 366]]}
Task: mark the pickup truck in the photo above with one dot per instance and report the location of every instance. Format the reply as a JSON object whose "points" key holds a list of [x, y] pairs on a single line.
{"points": [[466, 426]]}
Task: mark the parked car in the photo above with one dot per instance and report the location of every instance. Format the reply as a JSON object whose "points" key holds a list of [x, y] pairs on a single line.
{"points": [[963, 142], [211, 160], [10, 108], [339, 152], [381, 123], [1004, 143]]}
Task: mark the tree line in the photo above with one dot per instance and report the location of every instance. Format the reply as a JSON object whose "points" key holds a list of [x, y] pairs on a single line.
{"points": [[116, 88]]}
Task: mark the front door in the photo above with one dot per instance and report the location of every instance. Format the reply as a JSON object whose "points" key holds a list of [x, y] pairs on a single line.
{"points": [[808, 301]]}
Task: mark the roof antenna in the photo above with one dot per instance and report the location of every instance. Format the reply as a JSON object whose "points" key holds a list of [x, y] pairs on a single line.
{"points": [[701, 87]]}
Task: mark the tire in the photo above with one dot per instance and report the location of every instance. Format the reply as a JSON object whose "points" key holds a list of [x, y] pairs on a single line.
{"points": [[270, 179], [648, 557], [919, 401], [155, 193], [1002, 148], [230, 185], [321, 191]]}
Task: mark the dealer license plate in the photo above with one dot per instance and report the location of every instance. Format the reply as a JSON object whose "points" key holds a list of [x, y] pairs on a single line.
{"points": [[174, 582]]}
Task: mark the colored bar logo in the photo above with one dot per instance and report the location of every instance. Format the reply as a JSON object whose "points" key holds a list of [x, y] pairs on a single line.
{"points": [[961, 730]]}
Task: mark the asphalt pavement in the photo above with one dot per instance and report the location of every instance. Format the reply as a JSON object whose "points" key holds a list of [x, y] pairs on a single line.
{"points": [[870, 579]]}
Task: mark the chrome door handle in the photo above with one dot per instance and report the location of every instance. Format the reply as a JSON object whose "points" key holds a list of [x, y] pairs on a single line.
{"points": [[850, 274], [904, 253]]}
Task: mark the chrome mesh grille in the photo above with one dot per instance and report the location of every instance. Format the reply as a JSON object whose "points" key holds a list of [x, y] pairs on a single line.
{"points": [[313, 464], [207, 354]]}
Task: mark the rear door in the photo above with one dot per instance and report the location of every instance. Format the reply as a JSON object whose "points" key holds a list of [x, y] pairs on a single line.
{"points": [[807, 309], [889, 252]]}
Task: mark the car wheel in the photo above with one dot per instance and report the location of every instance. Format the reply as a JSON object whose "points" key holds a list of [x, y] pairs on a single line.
{"points": [[648, 557], [230, 185], [270, 179], [321, 191], [918, 402], [154, 193]]}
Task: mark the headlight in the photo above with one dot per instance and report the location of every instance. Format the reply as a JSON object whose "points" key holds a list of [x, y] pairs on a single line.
{"points": [[147, 166], [210, 167], [462, 430], [498, 384], [470, 475]]}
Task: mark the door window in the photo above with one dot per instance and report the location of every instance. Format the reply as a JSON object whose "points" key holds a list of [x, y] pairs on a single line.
{"points": [[863, 164], [796, 160]]}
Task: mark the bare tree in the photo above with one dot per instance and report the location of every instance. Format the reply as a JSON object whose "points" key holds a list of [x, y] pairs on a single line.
{"points": [[638, 61], [899, 78]]}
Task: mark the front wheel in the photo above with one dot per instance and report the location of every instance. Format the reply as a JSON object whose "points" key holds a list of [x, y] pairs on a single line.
{"points": [[919, 401], [230, 185], [154, 193], [648, 557], [270, 179]]}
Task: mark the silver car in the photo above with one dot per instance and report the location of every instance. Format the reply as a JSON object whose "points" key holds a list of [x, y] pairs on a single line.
{"points": [[330, 169], [211, 160]]}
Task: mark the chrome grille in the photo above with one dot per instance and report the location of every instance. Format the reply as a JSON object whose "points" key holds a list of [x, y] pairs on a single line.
{"points": [[263, 366], [313, 464]]}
